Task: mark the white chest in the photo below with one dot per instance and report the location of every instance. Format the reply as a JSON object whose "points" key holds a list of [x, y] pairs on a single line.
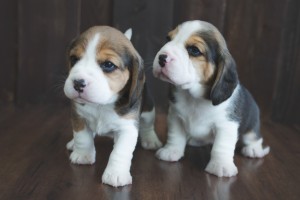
{"points": [[198, 115], [100, 119]]}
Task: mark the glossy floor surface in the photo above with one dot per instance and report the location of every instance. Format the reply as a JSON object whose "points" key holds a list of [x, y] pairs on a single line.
{"points": [[34, 164]]}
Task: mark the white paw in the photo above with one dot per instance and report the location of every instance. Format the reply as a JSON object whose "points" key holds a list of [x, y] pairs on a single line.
{"points": [[115, 178], [70, 145], [169, 154], [255, 151], [84, 157], [220, 169], [150, 141]]}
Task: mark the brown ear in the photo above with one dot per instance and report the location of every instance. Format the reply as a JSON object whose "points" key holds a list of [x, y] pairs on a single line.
{"points": [[226, 79], [132, 94]]}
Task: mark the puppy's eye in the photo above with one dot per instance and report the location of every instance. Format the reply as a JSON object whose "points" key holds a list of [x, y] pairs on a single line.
{"points": [[193, 51], [73, 60], [108, 66]]}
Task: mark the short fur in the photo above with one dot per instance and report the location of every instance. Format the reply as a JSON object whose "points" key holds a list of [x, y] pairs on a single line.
{"points": [[208, 104], [107, 102]]}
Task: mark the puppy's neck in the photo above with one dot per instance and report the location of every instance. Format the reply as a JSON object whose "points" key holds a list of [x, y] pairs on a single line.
{"points": [[196, 90], [93, 107]]}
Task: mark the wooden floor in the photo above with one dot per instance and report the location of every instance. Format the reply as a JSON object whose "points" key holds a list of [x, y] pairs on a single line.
{"points": [[34, 165]]}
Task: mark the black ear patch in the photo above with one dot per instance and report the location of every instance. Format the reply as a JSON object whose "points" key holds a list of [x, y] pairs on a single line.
{"points": [[226, 79], [226, 76]]}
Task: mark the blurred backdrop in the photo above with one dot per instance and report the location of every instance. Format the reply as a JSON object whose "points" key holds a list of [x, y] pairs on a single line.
{"points": [[262, 35]]}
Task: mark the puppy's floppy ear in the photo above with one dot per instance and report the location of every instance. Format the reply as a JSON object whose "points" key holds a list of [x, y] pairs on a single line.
{"points": [[137, 80], [226, 78], [132, 95]]}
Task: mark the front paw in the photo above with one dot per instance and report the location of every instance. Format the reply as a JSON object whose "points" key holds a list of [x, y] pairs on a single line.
{"points": [[150, 141], [221, 169], [83, 157], [70, 145], [169, 154], [115, 178]]}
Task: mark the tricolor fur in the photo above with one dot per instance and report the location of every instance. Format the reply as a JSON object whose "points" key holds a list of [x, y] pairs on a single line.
{"points": [[208, 104], [105, 84]]}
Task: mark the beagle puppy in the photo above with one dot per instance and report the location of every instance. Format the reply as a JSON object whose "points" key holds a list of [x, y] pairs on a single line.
{"points": [[208, 104], [105, 84]]}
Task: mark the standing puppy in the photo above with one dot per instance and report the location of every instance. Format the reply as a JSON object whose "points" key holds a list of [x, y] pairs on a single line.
{"points": [[208, 104], [105, 85]]}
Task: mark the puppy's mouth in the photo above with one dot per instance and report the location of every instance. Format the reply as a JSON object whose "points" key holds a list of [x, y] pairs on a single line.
{"points": [[81, 100], [164, 77]]}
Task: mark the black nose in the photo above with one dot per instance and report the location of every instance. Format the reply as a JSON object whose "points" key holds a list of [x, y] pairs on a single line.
{"points": [[162, 59], [79, 84]]}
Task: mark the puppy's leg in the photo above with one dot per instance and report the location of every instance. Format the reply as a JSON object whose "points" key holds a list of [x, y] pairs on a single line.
{"points": [[149, 139], [117, 172], [177, 138], [253, 145], [83, 147], [70, 145], [221, 161]]}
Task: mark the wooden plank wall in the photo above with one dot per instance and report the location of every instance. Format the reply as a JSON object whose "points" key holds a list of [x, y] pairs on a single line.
{"points": [[252, 30], [44, 31], [263, 36], [8, 52], [95, 12], [285, 107]]}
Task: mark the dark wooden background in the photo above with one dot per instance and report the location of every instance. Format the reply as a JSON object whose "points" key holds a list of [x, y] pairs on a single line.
{"points": [[262, 35]]}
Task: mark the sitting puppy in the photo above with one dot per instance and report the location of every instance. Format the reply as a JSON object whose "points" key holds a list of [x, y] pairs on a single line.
{"points": [[208, 104], [105, 84]]}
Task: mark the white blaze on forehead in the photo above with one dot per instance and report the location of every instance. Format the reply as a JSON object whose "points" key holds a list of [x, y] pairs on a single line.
{"points": [[88, 60], [92, 46], [187, 29]]}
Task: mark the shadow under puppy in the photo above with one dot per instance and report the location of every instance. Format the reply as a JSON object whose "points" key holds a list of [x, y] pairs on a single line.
{"points": [[208, 104], [105, 84]]}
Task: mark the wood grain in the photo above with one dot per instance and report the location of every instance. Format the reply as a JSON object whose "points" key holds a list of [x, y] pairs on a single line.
{"points": [[262, 36], [252, 31], [95, 13], [45, 30], [34, 165], [286, 96], [213, 11], [8, 52]]}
